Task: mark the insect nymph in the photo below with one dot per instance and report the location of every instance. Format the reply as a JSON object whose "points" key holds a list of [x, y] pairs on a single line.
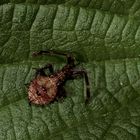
{"points": [[44, 89]]}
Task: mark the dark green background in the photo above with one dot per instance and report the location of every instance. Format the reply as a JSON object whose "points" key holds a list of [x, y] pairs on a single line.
{"points": [[104, 35]]}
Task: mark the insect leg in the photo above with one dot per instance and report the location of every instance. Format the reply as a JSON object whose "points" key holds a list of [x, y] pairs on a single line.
{"points": [[50, 52], [83, 73], [27, 84], [61, 94], [70, 58], [40, 71], [48, 66], [29, 102]]}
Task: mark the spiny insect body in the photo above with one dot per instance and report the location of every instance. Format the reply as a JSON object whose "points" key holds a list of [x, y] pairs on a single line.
{"points": [[45, 89]]}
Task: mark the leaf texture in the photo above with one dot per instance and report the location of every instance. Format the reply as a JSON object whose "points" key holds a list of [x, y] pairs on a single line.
{"points": [[104, 36]]}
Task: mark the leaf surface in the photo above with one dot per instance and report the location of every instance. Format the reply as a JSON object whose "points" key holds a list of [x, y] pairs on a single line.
{"points": [[104, 36]]}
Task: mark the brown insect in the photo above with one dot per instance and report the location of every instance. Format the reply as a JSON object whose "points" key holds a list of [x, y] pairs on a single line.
{"points": [[45, 89]]}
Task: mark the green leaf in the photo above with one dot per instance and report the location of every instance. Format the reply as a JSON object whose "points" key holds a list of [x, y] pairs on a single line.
{"points": [[104, 36]]}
